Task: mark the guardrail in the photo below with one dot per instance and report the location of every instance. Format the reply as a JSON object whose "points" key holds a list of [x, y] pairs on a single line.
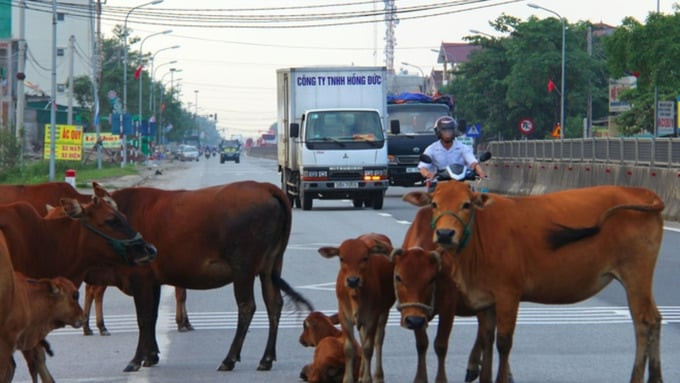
{"points": [[659, 152]]}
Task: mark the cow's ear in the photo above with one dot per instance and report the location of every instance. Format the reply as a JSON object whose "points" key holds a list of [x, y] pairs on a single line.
{"points": [[481, 200], [49, 207], [329, 251], [417, 198], [99, 190], [381, 247], [72, 207], [395, 253]]}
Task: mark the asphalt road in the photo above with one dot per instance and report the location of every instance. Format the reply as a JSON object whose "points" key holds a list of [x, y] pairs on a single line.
{"points": [[587, 342]]}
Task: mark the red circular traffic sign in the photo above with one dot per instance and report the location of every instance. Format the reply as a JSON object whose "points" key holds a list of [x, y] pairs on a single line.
{"points": [[526, 126]]}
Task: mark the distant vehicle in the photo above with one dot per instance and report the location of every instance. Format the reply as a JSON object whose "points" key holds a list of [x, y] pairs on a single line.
{"points": [[230, 150], [189, 153]]}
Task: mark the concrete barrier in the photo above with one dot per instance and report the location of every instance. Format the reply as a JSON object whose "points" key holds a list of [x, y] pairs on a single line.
{"points": [[532, 178]]}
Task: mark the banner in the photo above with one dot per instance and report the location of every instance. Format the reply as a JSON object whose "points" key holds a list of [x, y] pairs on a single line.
{"points": [[109, 140], [68, 142]]}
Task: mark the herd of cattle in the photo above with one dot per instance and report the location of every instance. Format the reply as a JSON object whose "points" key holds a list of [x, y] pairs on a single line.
{"points": [[465, 253]]}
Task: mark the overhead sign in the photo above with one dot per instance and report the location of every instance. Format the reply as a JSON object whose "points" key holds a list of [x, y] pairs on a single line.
{"points": [[474, 130], [526, 126]]}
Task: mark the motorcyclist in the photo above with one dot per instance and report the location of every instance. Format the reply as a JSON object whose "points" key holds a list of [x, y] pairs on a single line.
{"points": [[447, 151]]}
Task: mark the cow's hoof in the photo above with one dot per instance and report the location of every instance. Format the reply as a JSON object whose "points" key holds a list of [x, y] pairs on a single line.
{"points": [[104, 332], [471, 375], [227, 365], [265, 365], [132, 367], [150, 360], [185, 327], [87, 331], [303, 372]]}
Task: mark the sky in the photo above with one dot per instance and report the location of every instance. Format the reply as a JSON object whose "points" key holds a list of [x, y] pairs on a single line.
{"points": [[228, 68]]}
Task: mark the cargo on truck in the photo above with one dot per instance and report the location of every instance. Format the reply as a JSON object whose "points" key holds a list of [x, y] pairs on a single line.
{"points": [[412, 117], [331, 138]]}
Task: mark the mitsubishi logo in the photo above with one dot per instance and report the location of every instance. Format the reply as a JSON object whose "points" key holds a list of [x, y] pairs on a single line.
{"points": [[416, 149], [345, 156]]}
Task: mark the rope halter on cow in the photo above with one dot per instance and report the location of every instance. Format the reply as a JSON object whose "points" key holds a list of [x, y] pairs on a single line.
{"points": [[429, 309], [465, 237], [119, 245]]}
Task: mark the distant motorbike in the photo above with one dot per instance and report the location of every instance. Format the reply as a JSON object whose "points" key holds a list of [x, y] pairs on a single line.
{"points": [[207, 154]]}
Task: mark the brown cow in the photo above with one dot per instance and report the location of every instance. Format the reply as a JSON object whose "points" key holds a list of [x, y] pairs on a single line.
{"points": [[42, 197], [208, 238], [328, 365], [424, 287], [40, 306], [556, 248], [365, 294], [6, 297]]}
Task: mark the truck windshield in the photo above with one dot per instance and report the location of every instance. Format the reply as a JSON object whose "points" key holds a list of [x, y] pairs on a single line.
{"points": [[417, 118], [344, 126]]}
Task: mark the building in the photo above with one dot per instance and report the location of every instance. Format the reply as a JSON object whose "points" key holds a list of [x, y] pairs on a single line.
{"points": [[31, 21], [451, 55]]}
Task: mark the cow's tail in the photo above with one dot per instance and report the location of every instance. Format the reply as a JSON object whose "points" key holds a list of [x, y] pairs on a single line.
{"points": [[287, 224], [296, 297], [564, 235]]}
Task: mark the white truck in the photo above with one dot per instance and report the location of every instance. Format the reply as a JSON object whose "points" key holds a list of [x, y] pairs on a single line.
{"points": [[331, 134]]}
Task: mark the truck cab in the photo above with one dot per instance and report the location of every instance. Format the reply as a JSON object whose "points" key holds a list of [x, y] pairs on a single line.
{"points": [[412, 117]]}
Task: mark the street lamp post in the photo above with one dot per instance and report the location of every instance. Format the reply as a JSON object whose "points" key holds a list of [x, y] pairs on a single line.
{"points": [[152, 73], [139, 63], [125, 69], [421, 73], [562, 94]]}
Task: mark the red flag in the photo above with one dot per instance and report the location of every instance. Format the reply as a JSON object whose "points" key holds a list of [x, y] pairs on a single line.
{"points": [[551, 85], [138, 72]]}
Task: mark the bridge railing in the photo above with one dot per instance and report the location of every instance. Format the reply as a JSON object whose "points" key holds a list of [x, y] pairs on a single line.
{"points": [[659, 152]]}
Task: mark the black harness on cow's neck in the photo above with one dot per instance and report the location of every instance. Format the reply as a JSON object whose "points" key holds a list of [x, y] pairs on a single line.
{"points": [[119, 245], [466, 226]]}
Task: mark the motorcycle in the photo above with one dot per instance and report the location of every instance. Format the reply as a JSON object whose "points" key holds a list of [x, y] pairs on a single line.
{"points": [[207, 154], [455, 172]]}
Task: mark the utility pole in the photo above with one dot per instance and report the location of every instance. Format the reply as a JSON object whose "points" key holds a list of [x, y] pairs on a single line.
{"points": [[71, 53], [21, 67]]}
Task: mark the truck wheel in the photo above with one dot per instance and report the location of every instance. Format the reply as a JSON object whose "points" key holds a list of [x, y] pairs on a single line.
{"points": [[221, 159], [357, 202], [237, 160], [378, 198], [306, 201]]}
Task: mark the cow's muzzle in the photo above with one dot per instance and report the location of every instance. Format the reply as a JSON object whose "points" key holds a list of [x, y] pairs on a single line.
{"points": [[353, 282], [445, 237], [415, 322]]}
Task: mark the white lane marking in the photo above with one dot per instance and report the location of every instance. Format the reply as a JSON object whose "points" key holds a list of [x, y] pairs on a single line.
{"points": [[293, 320]]}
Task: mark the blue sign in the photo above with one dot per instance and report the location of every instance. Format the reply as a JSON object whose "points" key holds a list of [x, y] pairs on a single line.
{"points": [[127, 124], [474, 130]]}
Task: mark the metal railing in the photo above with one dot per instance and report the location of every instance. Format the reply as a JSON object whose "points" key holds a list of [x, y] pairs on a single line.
{"points": [[659, 152]]}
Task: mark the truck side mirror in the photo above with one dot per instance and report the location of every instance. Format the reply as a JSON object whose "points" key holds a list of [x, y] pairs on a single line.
{"points": [[294, 129], [395, 128]]}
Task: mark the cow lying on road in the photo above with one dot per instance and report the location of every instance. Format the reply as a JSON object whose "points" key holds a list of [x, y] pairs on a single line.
{"points": [[556, 248], [365, 294], [328, 365]]}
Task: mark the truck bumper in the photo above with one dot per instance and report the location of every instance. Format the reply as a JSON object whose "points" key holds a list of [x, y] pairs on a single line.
{"points": [[343, 189]]}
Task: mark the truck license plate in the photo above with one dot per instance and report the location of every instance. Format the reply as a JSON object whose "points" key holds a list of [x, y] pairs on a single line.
{"points": [[346, 184], [412, 170]]}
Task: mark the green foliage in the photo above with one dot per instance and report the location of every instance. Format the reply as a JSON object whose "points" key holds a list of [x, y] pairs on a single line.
{"points": [[651, 51], [10, 149], [35, 172], [507, 79]]}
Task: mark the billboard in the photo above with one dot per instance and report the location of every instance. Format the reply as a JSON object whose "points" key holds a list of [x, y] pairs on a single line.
{"points": [[615, 89]]}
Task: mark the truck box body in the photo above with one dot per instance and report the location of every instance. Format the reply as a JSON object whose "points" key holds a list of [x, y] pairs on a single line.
{"points": [[331, 134], [416, 114]]}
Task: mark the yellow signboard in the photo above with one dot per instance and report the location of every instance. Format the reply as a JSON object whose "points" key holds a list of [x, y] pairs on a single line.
{"points": [[68, 142], [109, 140]]}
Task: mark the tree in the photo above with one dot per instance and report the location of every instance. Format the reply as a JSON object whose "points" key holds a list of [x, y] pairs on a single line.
{"points": [[507, 79], [650, 51]]}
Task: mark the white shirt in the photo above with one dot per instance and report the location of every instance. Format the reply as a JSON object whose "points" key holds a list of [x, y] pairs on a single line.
{"points": [[459, 153]]}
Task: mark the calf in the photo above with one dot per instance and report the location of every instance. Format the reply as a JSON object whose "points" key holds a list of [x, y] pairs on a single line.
{"points": [[424, 288], [328, 365], [38, 307], [365, 294]]}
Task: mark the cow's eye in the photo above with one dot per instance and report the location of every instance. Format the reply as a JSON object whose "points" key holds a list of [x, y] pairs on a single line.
{"points": [[76, 295], [467, 205], [364, 259], [434, 205], [397, 278]]}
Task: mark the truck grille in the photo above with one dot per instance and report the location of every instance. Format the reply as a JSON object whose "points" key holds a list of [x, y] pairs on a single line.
{"points": [[345, 175], [408, 160]]}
